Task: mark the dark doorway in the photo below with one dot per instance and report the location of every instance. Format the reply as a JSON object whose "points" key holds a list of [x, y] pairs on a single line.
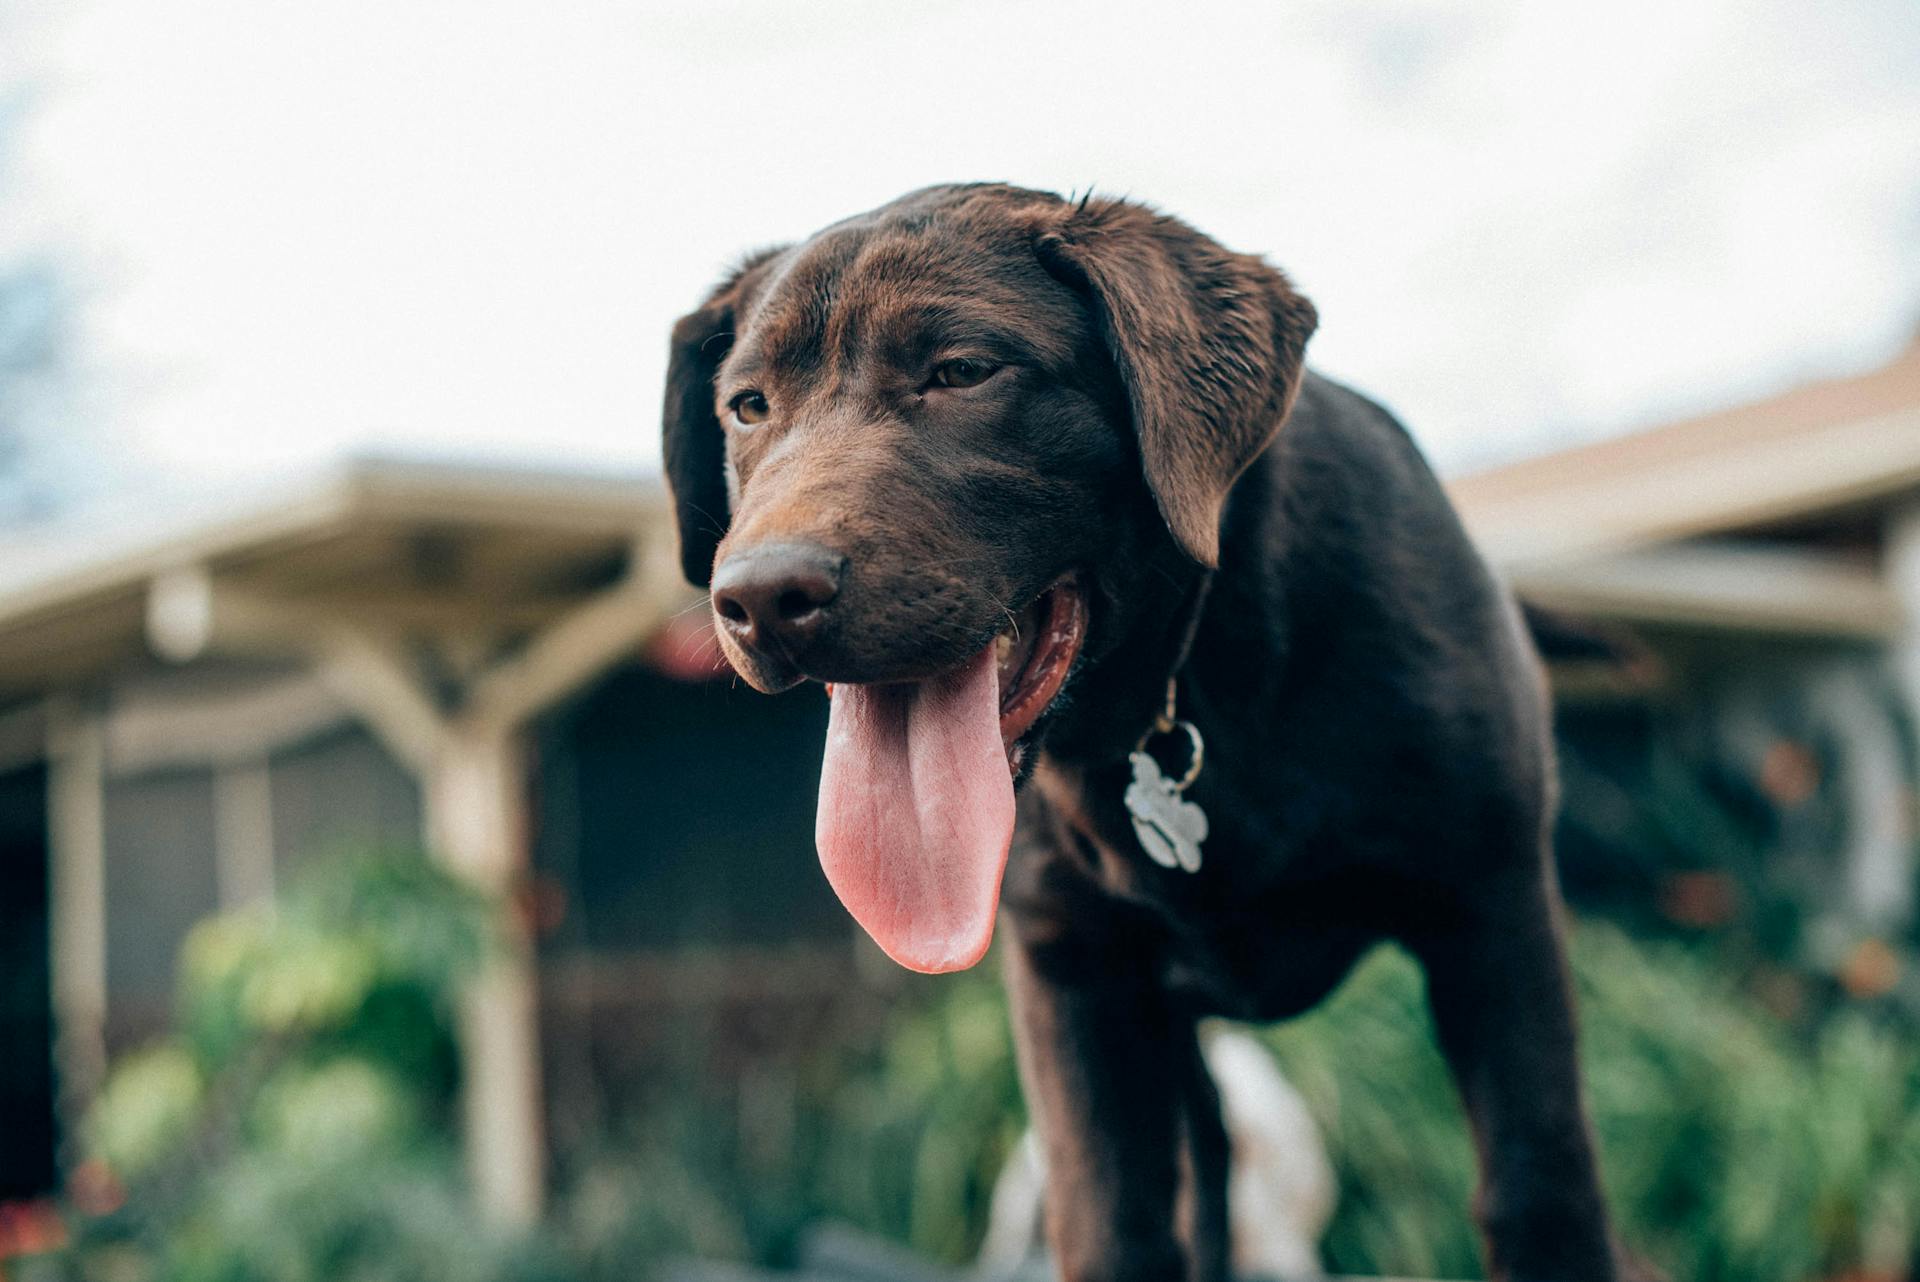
{"points": [[27, 1167], [681, 816]]}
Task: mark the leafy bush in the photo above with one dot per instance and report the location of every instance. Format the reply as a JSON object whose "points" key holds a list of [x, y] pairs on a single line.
{"points": [[1734, 1146], [903, 1137], [296, 1126]]}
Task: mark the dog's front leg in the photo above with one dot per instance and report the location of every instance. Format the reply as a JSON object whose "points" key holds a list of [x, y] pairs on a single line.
{"points": [[1206, 1153], [1497, 982], [1101, 1063]]}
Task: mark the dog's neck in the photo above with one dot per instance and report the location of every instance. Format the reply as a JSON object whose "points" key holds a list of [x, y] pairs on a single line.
{"points": [[1119, 693]]}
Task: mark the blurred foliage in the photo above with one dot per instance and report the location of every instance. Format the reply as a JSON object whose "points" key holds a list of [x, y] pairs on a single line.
{"points": [[1743, 809], [1737, 1147], [902, 1136], [298, 1125], [1734, 1147]]}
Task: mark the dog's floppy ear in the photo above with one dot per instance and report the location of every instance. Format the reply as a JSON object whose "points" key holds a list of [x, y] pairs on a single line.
{"points": [[693, 447], [1209, 346]]}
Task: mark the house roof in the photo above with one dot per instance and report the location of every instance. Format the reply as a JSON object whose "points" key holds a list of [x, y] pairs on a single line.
{"points": [[1822, 447], [411, 542]]}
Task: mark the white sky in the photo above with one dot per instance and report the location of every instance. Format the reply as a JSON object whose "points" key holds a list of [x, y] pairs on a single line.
{"points": [[464, 228]]}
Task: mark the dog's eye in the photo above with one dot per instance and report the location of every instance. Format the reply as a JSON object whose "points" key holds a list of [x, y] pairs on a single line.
{"points": [[961, 373], [749, 408]]}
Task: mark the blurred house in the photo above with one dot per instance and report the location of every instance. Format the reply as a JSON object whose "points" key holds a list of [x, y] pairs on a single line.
{"points": [[1741, 740], [505, 667], [502, 666]]}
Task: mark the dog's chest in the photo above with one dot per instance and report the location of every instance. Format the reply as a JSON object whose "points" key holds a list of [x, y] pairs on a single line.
{"points": [[1233, 941], [1264, 964]]}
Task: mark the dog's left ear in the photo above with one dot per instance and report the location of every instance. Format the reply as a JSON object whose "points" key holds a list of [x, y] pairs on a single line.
{"points": [[693, 447], [1209, 345]]}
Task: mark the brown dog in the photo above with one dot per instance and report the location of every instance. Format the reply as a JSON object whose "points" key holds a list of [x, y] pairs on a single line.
{"points": [[1009, 473]]}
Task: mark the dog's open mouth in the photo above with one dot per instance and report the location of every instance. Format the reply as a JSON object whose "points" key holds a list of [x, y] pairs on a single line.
{"points": [[1033, 655], [916, 789]]}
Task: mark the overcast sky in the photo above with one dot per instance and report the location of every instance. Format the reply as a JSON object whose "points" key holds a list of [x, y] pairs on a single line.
{"points": [[464, 229]]}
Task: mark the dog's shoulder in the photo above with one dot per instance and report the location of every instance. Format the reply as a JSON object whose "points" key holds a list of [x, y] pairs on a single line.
{"points": [[1333, 424], [1346, 521], [1345, 479]]}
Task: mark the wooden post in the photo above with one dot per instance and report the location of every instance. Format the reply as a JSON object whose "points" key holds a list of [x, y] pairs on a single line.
{"points": [[76, 830], [476, 802], [1901, 559]]}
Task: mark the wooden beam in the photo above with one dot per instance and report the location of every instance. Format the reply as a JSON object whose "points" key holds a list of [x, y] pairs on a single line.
{"points": [[1632, 494], [192, 614], [374, 678], [421, 610], [583, 644], [158, 729], [1722, 585], [565, 657]]}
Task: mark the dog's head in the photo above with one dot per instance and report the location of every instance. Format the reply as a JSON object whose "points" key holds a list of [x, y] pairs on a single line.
{"points": [[914, 455]]}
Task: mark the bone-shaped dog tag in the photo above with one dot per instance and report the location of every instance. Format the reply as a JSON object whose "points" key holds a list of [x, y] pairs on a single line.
{"points": [[1169, 827]]}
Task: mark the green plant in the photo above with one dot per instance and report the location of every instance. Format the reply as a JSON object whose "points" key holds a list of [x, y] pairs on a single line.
{"points": [[900, 1135], [1737, 1147], [295, 1126]]}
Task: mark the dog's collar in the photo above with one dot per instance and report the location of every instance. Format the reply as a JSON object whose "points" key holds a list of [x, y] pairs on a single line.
{"points": [[1169, 827], [1196, 606]]}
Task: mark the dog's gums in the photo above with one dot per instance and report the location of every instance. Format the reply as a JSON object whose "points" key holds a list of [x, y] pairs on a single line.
{"points": [[1034, 654]]}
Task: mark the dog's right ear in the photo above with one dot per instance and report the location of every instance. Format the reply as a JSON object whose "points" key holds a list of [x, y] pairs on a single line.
{"points": [[692, 444], [1208, 344]]}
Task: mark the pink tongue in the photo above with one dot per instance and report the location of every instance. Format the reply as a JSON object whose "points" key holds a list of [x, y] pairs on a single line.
{"points": [[916, 813]]}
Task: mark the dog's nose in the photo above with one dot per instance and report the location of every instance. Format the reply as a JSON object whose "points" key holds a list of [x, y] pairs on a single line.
{"points": [[774, 599]]}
